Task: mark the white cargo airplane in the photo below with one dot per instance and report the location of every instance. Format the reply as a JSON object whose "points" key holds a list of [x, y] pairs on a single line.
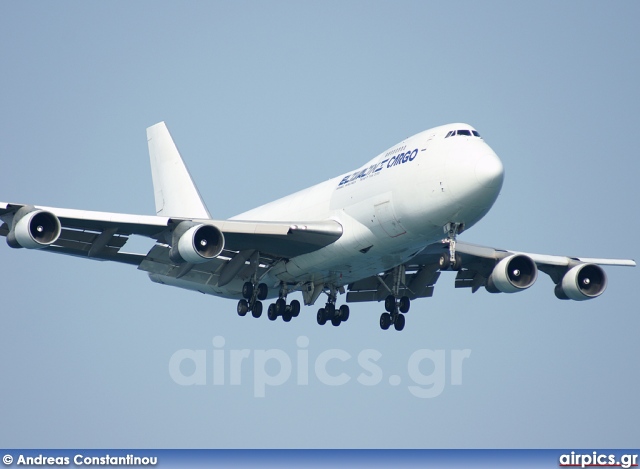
{"points": [[374, 233]]}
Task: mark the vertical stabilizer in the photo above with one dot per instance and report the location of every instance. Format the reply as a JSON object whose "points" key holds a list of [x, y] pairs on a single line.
{"points": [[175, 193]]}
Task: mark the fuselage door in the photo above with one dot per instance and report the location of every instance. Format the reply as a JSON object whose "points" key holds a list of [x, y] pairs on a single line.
{"points": [[385, 215]]}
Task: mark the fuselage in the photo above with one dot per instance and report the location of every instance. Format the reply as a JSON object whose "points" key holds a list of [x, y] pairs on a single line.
{"points": [[390, 208]]}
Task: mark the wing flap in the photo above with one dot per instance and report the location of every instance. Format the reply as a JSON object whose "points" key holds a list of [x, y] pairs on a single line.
{"points": [[419, 284], [161, 269], [120, 257], [362, 296]]}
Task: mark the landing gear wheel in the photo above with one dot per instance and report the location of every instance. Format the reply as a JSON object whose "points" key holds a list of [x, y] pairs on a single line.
{"points": [[281, 305], [243, 307], [456, 264], [263, 291], [295, 308], [344, 313], [247, 290], [256, 311], [390, 303], [445, 261], [405, 304], [320, 317], [271, 312], [398, 323], [385, 321], [286, 315], [335, 321]]}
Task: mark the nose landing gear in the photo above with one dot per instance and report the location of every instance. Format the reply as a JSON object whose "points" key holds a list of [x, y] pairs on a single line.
{"points": [[451, 260]]}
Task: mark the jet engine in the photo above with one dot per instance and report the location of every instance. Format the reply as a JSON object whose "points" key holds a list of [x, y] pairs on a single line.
{"points": [[582, 282], [33, 229], [196, 243], [512, 274]]}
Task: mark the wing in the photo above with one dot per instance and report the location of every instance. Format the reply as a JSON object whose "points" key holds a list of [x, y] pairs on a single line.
{"points": [[102, 235], [498, 270]]}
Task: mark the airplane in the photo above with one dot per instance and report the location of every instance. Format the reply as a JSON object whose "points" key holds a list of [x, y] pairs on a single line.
{"points": [[383, 232]]}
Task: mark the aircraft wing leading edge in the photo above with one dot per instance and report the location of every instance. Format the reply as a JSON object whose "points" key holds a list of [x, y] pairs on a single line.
{"points": [[478, 265], [102, 235]]}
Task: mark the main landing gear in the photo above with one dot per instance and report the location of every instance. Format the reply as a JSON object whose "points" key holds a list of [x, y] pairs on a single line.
{"points": [[252, 299], [281, 308], [395, 307], [330, 313], [395, 311]]}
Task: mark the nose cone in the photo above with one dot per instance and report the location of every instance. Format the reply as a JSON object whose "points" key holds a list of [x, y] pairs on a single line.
{"points": [[489, 171]]}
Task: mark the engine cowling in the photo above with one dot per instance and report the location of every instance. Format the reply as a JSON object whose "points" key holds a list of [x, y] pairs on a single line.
{"points": [[196, 244], [582, 282], [33, 229], [512, 274]]}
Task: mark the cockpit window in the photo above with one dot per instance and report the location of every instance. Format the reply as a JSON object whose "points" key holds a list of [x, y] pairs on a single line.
{"points": [[463, 132]]}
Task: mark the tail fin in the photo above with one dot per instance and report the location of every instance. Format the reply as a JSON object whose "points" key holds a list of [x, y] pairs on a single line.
{"points": [[175, 193]]}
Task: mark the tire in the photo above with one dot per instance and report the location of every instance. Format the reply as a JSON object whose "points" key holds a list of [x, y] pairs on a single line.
{"points": [[344, 313], [247, 290], [321, 317], [271, 312], [243, 307], [390, 303], [405, 304], [256, 311], [445, 261], [286, 315], [335, 321], [399, 322], [295, 308], [457, 263], [281, 305], [385, 321], [263, 291]]}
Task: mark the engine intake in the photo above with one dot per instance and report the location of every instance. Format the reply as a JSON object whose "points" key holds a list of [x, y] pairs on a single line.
{"points": [[196, 244], [512, 274], [582, 282], [33, 229]]}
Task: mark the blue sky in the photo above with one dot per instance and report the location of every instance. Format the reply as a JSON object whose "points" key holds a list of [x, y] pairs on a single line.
{"points": [[265, 98]]}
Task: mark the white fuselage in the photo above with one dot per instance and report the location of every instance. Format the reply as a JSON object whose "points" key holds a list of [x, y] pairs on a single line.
{"points": [[390, 208]]}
